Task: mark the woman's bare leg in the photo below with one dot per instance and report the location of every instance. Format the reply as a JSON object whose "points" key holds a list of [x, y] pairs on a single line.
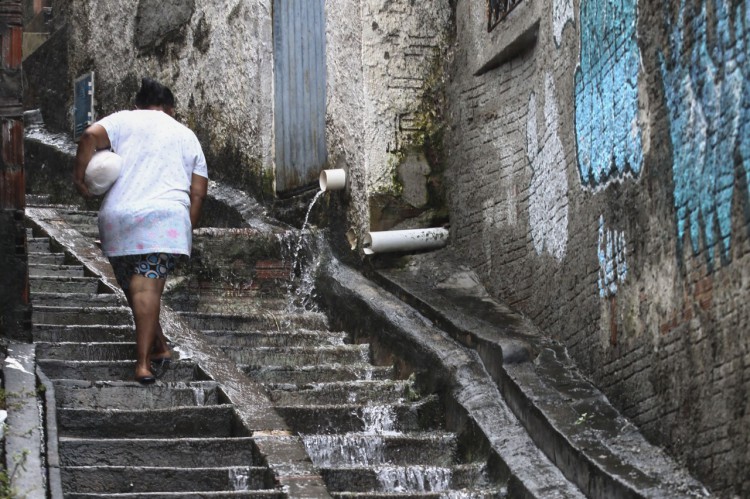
{"points": [[160, 349], [145, 301]]}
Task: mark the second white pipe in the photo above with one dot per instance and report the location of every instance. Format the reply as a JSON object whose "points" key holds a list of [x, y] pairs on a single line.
{"points": [[404, 240]]}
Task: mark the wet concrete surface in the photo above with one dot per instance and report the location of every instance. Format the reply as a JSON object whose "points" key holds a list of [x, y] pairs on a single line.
{"points": [[567, 416], [253, 413]]}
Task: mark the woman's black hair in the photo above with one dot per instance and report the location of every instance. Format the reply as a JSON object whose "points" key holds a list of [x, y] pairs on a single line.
{"points": [[168, 99], [150, 94]]}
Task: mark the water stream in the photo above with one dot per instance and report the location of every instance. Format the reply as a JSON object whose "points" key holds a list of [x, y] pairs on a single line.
{"points": [[378, 419], [239, 478], [414, 478], [301, 289], [350, 449]]}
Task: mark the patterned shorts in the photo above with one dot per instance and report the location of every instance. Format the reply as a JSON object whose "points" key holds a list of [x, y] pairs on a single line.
{"points": [[152, 265]]}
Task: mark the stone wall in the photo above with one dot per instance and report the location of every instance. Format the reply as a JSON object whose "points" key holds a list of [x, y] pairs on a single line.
{"points": [[384, 60], [597, 167], [215, 55]]}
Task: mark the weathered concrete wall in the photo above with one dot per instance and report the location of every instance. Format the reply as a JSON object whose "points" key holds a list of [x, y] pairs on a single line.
{"points": [[385, 63], [384, 69], [597, 175], [215, 56], [345, 116]]}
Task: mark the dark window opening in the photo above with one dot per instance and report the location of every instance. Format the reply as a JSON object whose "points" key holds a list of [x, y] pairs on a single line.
{"points": [[497, 10]]}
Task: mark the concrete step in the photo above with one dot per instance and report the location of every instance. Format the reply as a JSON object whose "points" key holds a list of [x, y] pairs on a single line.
{"points": [[89, 231], [371, 449], [47, 258], [421, 478], [262, 321], [299, 356], [74, 394], [301, 375], [179, 371], [38, 245], [64, 285], [51, 270], [80, 217], [228, 304], [76, 299], [490, 493], [351, 392], [133, 480], [240, 494], [86, 351], [348, 418], [54, 333], [296, 338], [81, 315], [168, 452], [176, 422], [37, 199]]}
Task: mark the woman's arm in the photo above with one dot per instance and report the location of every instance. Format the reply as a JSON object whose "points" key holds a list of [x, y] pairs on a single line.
{"points": [[94, 138], [198, 191]]}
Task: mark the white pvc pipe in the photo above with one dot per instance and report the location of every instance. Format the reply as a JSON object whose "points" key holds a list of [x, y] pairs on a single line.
{"points": [[332, 180], [404, 240]]}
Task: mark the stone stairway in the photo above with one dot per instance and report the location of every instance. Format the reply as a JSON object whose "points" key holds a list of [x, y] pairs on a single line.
{"points": [[369, 430], [178, 438]]}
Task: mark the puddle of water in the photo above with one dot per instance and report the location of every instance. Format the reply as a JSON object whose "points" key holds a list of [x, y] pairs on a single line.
{"points": [[414, 478], [344, 450]]}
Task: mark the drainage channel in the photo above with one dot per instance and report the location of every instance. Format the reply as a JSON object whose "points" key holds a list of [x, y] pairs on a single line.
{"points": [[372, 429], [180, 438]]}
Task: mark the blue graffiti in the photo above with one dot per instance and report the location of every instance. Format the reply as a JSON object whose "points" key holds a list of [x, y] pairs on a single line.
{"points": [[707, 98], [742, 31], [606, 90]]}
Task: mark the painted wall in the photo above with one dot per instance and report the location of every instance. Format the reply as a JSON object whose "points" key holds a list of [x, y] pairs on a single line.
{"points": [[598, 182]]}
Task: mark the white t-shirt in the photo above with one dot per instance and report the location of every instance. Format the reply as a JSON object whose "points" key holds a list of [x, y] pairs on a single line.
{"points": [[147, 210]]}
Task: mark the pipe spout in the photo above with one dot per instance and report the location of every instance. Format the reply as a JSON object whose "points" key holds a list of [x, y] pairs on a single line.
{"points": [[332, 180]]}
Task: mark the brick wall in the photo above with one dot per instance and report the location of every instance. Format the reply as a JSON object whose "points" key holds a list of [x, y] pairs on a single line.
{"points": [[598, 183]]}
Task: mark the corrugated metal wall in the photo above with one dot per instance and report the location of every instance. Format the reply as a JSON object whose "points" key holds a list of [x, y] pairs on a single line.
{"points": [[300, 87]]}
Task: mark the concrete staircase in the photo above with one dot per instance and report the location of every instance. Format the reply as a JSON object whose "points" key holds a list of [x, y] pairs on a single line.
{"points": [[371, 430], [369, 433], [179, 438]]}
